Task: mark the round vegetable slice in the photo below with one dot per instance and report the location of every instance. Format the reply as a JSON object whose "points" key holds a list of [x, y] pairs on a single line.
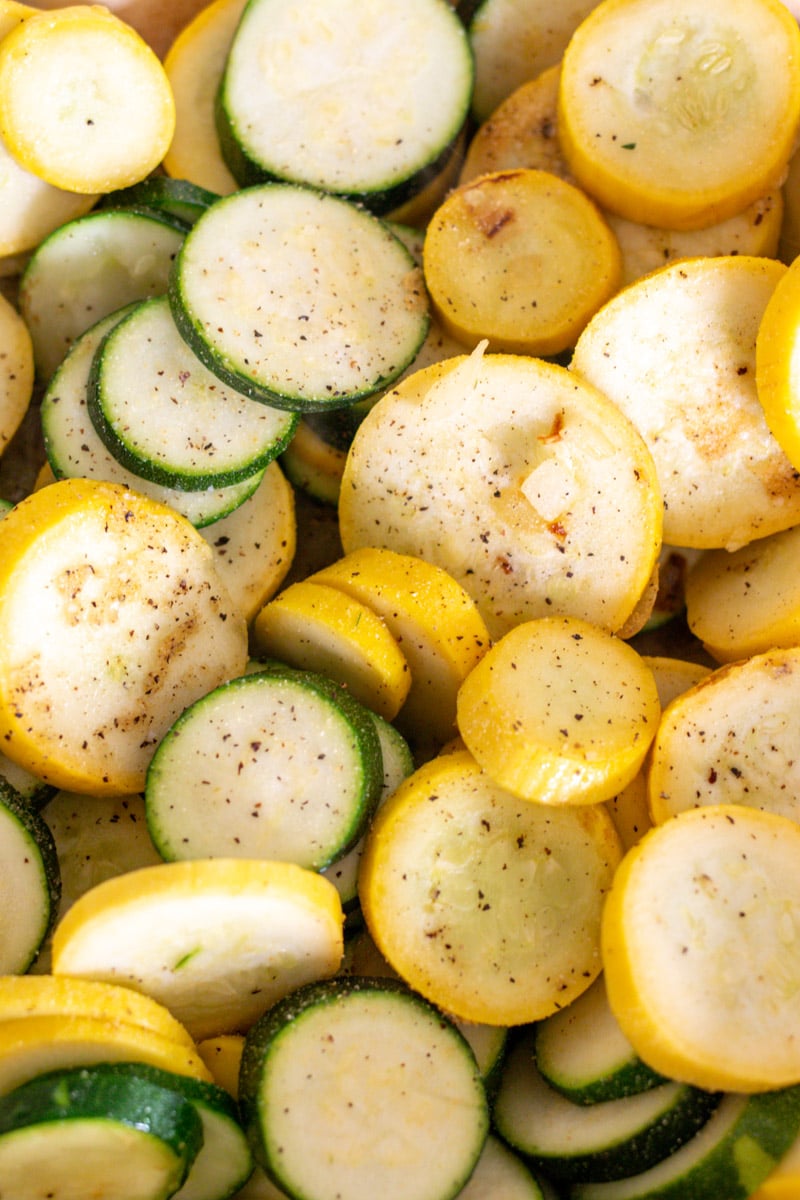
{"points": [[698, 946], [777, 362], [519, 479], [731, 739], [397, 1104], [346, 309], [676, 352], [731, 1156], [112, 620], [84, 102], [488, 905], [96, 1131], [677, 116], [279, 764], [521, 258], [16, 371], [746, 602], [581, 734], [30, 882], [316, 627], [217, 941]]}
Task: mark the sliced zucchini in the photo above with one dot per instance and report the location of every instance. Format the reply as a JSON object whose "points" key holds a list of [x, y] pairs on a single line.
{"points": [[170, 420], [323, 115], [224, 1161], [582, 1053], [604, 1141], [731, 1156], [179, 198], [501, 1175], [30, 882], [75, 449], [96, 1131], [344, 312], [90, 267], [388, 1085], [280, 764]]}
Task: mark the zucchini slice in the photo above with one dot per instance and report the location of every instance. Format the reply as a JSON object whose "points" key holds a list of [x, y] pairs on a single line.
{"points": [[344, 313], [74, 447], [90, 267], [501, 1173], [167, 418], [179, 198], [30, 882], [322, 115], [95, 1131], [388, 1085], [603, 1141], [278, 764], [582, 1053], [731, 1155]]}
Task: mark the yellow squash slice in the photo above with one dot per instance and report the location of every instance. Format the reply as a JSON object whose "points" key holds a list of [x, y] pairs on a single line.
{"points": [[700, 953], [85, 103], [681, 114], [527, 485], [488, 905], [321, 628], [778, 362], [676, 351], [216, 941], [30, 1046], [112, 620], [732, 739], [747, 602], [16, 371], [521, 258], [433, 620], [559, 711]]}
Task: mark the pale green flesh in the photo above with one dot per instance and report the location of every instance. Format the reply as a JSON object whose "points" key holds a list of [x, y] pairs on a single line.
{"points": [[25, 899]]}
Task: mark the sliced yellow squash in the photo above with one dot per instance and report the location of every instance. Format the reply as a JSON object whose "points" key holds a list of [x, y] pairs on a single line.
{"points": [[216, 941], [700, 951], [321, 628], [487, 905], [678, 114], [778, 362], [85, 103], [576, 736], [16, 371], [521, 258], [112, 620]]}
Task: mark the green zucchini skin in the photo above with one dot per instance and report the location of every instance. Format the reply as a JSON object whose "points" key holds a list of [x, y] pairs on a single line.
{"points": [[730, 1157], [642, 1129], [179, 198], [31, 837], [376, 1093], [53, 1102]]}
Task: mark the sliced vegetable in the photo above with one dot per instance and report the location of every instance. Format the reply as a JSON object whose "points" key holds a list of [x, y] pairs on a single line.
{"points": [[606, 1140], [30, 882], [725, 85], [397, 1105], [731, 739], [16, 371], [280, 764], [521, 258], [84, 101], [488, 905], [328, 344], [314, 626], [169, 419], [75, 449], [581, 734], [179, 198], [323, 115], [217, 941], [437, 626], [776, 363], [676, 351], [697, 946], [524, 483], [107, 597], [121, 1134]]}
